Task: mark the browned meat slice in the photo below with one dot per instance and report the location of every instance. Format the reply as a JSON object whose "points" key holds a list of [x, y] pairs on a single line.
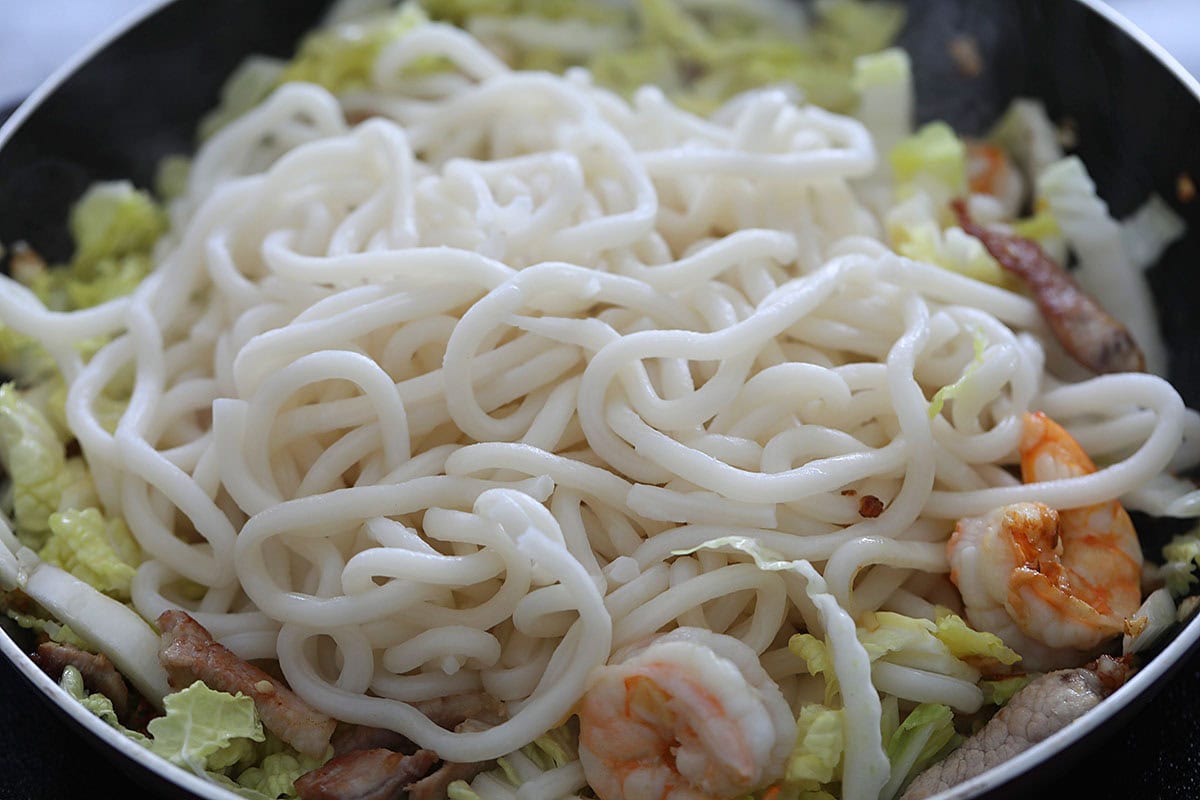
{"points": [[99, 674], [349, 738], [445, 712], [365, 775], [450, 712], [1044, 707], [1082, 327], [189, 654], [434, 785]]}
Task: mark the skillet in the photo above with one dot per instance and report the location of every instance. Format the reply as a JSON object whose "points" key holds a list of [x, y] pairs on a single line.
{"points": [[135, 96]]}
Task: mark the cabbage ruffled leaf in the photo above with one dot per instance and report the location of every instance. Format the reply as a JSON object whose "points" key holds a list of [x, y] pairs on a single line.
{"points": [[200, 724], [949, 392], [820, 743], [947, 647], [1181, 556], [115, 227], [917, 230], [43, 479], [341, 57], [926, 735], [98, 704], [934, 152], [999, 691], [275, 775], [94, 549]]}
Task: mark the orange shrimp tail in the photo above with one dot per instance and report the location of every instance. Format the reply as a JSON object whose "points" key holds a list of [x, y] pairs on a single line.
{"points": [[986, 164], [1043, 442]]}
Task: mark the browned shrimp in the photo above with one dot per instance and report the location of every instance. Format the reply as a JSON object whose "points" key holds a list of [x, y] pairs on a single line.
{"points": [[1082, 327]]}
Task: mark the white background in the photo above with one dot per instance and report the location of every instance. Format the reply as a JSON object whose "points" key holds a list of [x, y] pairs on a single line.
{"points": [[38, 35]]}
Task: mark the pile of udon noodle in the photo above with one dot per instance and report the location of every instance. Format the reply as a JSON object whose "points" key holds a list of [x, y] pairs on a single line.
{"points": [[488, 390]]}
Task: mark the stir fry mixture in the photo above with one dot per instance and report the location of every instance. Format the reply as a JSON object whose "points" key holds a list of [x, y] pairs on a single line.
{"points": [[620, 400]]}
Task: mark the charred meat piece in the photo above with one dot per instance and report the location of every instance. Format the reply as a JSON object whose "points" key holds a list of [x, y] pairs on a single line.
{"points": [[483, 710], [365, 775], [435, 785], [1082, 327], [1044, 707], [350, 738], [450, 712], [445, 712], [99, 674], [189, 654]]}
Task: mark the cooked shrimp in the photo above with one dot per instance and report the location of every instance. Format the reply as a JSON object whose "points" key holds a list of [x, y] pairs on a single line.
{"points": [[989, 171], [1052, 584], [691, 716]]}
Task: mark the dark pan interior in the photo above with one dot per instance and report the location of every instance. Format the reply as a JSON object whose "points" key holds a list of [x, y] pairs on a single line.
{"points": [[1137, 126]]}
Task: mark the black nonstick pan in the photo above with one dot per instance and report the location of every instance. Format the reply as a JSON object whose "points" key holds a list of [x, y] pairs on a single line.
{"points": [[136, 95]]}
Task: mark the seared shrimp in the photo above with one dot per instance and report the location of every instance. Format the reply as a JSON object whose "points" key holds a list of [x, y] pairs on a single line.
{"points": [[691, 716], [1052, 584]]}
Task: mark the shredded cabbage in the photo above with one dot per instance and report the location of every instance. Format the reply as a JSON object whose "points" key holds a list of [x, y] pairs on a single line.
{"points": [[115, 227], [98, 704], [916, 230], [461, 790], [979, 648], [1026, 132], [883, 81], [979, 343], [94, 549], [1041, 226], [461, 12], [113, 220], [699, 55], [339, 57], [35, 620], [171, 176], [207, 732], [1155, 617], [1182, 555], [817, 754], [342, 56], [275, 773], [948, 648], [246, 87], [926, 735], [552, 749], [200, 724], [23, 358], [998, 692], [41, 474], [934, 151], [1150, 230]]}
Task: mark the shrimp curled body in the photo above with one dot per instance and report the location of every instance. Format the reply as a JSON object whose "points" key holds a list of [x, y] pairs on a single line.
{"points": [[691, 716], [1052, 584]]}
